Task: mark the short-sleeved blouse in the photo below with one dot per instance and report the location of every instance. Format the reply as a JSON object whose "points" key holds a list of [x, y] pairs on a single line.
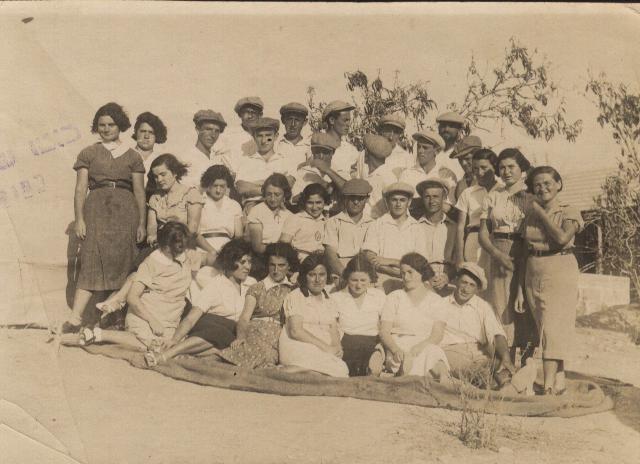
{"points": [[103, 164], [172, 206], [317, 313], [470, 202], [409, 319], [269, 297], [363, 319], [535, 233], [271, 221], [307, 232], [504, 207]]}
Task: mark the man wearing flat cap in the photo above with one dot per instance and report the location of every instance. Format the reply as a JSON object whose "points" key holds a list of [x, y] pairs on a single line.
{"points": [[473, 335], [254, 169], [318, 169], [392, 127], [293, 145], [371, 166], [450, 128], [209, 125], [336, 116], [463, 152], [344, 233], [438, 236], [238, 140], [392, 236], [427, 146]]}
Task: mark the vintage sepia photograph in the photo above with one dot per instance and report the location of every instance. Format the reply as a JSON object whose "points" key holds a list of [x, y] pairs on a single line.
{"points": [[296, 232]]}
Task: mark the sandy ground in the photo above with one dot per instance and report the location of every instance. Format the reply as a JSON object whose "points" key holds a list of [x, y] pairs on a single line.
{"points": [[105, 411]]}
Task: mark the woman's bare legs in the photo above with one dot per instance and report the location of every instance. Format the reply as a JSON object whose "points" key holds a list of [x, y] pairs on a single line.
{"points": [[191, 345]]}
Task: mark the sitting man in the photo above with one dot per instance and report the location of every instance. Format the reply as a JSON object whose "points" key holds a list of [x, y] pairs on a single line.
{"points": [[392, 236], [318, 170], [253, 169], [438, 232], [473, 335], [344, 233]]}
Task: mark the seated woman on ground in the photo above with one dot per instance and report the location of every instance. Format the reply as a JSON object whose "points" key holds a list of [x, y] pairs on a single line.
{"points": [[412, 324], [258, 329], [221, 218], [310, 339], [305, 230], [156, 298], [210, 325], [359, 306], [171, 201]]}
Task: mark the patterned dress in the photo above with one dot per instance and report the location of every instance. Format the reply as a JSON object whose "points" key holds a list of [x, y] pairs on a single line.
{"points": [[260, 348], [111, 215]]}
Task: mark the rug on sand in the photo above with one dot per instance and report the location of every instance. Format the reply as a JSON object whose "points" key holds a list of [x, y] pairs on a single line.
{"points": [[584, 395]]}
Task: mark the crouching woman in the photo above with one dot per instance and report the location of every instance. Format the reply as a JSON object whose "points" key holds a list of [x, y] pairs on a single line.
{"points": [[156, 298]]}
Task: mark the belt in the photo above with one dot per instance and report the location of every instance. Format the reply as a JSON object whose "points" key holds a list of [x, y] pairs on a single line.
{"points": [[508, 235], [470, 229], [111, 184], [215, 234], [541, 253]]}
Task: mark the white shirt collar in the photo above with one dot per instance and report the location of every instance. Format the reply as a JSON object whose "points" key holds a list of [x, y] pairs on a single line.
{"points": [[270, 283], [160, 257]]}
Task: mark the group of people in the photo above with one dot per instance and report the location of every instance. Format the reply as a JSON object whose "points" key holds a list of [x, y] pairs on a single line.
{"points": [[273, 249]]}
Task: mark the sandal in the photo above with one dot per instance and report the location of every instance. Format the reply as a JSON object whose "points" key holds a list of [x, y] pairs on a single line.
{"points": [[86, 337], [152, 358]]}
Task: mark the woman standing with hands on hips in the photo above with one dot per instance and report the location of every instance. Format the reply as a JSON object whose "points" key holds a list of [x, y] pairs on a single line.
{"points": [[110, 220], [552, 271]]}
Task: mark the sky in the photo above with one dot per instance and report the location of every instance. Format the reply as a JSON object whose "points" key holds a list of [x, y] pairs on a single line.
{"points": [[173, 59]]}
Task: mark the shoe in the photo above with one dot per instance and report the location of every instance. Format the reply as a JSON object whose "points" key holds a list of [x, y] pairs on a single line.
{"points": [[68, 327], [87, 337], [108, 307]]}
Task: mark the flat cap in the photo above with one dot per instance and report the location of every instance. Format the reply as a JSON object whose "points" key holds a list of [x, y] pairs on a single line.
{"points": [[432, 182], [336, 106], [209, 115], [248, 101], [294, 107], [321, 139], [377, 145], [265, 123], [358, 187], [467, 145], [395, 119], [429, 137], [450, 116], [398, 187], [476, 271]]}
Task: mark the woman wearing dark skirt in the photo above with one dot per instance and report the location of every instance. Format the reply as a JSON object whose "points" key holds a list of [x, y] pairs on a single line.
{"points": [[110, 220], [359, 306], [210, 325]]}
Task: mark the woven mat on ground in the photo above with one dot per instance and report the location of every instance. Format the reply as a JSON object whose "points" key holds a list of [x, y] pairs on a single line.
{"points": [[584, 394]]}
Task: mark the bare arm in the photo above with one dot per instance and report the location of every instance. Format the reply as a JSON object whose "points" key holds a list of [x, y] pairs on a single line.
{"points": [[255, 236], [560, 234], [434, 338], [459, 251], [485, 242], [334, 261], [250, 303], [387, 340], [204, 244], [187, 323], [152, 227], [138, 192], [139, 309], [80, 196], [298, 332], [238, 227], [194, 211]]}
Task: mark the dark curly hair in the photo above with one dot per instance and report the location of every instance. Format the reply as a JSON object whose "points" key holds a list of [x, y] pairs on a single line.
{"points": [[314, 189], [214, 173], [486, 154], [360, 263], [231, 253], [159, 129], [420, 264], [116, 112], [280, 181], [517, 156], [171, 162], [542, 170], [283, 250], [172, 234], [309, 264]]}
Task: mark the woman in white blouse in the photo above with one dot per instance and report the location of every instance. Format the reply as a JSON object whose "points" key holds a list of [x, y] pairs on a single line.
{"points": [[359, 306], [412, 324], [310, 339]]}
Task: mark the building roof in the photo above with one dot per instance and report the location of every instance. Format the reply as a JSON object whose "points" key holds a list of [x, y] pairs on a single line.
{"points": [[581, 188]]}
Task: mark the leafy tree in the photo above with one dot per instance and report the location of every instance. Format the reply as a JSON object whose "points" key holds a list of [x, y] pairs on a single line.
{"points": [[619, 199], [518, 91]]}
